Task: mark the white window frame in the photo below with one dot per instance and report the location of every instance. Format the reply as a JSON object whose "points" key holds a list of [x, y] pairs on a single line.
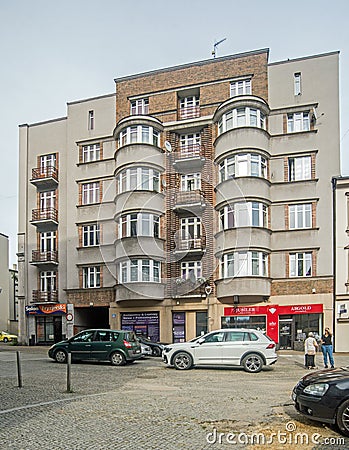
{"points": [[91, 120], [191, 182], [232, 216], [300, 216], [48, 281], [48, 241], [139, 106], [90, 235], [191, 270], [139, 134], [190, 144], [241, 87], [138, 179], [242, 165], [91, 152], [91, 277], [191, 228], [90, 193], [300, 168], [48, 161], [301, 264], [133, 271], [297, 83], [298, 122], [188, 106], [131, 225], [47, 200], [243, 116], [244, 264]]}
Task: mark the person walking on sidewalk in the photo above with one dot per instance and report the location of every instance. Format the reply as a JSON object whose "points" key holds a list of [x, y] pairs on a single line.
{"points": [[327, 348], [310, 346]]}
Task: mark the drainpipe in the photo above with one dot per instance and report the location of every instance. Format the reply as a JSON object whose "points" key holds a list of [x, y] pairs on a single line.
{"points": [[334, 243]]}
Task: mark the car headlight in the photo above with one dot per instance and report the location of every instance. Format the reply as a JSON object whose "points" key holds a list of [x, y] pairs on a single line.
{"points": [[317, 389]]}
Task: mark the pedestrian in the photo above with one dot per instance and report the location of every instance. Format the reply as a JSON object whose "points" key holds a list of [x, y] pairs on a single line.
{"points": [[327, 348], [310, 346]]}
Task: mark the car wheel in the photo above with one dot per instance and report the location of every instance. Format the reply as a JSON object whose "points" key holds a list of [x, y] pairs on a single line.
{"points": [[342, 419], [117, 359], [5, 340], [156, 351], [182, 361], [252, 363], [61, 356]]}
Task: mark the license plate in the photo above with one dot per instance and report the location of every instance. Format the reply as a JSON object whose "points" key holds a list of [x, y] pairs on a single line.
{"points": [[138, 351]]}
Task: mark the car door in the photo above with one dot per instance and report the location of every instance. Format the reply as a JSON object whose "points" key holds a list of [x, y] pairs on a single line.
{"points": [[101, 345], [80, 345], [235, 344], [208, 350]]}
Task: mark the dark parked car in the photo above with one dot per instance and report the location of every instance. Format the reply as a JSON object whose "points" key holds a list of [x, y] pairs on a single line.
{"points": [[156, 347], [324, 396], [116, 346]]}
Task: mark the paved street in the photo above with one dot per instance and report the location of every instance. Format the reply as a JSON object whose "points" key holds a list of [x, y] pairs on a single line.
{"points": [[146, 405]]}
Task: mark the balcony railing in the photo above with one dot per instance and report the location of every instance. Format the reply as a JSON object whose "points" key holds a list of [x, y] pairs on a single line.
{"points": [[189, 197], [191, 244], [186, 288], [45, 257], [45, 296], [47, 214], [189, 112], [40, 173], [188, 151]]}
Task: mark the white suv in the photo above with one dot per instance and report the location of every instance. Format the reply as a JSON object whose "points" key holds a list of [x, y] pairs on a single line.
{"points": [[248, 348]]}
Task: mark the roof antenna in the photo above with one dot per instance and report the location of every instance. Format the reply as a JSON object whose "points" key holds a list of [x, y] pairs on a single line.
{"points": [[216, 45]]}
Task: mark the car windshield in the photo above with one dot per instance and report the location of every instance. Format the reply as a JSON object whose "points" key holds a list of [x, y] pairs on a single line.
{"points": [[131, 337]]}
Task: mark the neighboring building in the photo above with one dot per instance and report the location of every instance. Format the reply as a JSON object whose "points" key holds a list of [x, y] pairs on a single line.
{"points": [[196, 197], [8, 290], [341, 311]]}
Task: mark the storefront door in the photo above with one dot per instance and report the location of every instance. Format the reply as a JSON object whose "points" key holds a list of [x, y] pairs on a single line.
{"points": [[286, 335]]}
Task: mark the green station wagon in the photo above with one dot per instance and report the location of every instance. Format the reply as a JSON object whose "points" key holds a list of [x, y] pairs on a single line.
{"points": [[116, 346]]}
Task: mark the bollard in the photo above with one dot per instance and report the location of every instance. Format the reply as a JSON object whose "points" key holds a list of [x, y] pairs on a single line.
{"points": [[69, 373], [19, 369]]}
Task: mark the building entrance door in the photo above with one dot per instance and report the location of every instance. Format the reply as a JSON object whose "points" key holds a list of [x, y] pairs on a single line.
{"points": [[286, 333]]}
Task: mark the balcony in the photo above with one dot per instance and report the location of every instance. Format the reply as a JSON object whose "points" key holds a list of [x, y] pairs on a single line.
{"points": [[45, 219], [45, 296], [189, 112], [48, 258], [189, 158], [140, 291], [190, 247], [45, 177], [188, 289], [189, 201]]}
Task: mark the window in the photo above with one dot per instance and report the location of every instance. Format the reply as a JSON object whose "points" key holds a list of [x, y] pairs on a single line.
{"points": [[190, 144], [191, 182], [90, 235], [299, 168], [301, 264], [190, 228], [90, 193], [91, 277], [138, 178], [243, 264], [139, 270], [189, 107], [139, 224], [247, 214], [91, 120], [48, 241], [298, 122], [241, 87], [90, 153], [140, 106], [300, 216], [191, 270], [140, 134], [241, 117], [243, 165], [48, 281], [48, 161], [47, 200], [297, 83]]}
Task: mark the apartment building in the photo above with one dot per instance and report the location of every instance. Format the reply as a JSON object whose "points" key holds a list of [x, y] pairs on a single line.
{"points": [[8, 290], [195, 197]]}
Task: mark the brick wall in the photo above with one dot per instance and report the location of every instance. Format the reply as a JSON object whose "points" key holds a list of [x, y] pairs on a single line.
{"points": [[302, 286]]}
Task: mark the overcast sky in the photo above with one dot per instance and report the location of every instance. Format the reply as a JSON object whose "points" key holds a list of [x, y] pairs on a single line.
{"points": [[54, 52]]}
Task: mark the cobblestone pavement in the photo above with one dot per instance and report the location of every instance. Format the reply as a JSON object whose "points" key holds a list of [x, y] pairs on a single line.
{"points": [[148, 406]]}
